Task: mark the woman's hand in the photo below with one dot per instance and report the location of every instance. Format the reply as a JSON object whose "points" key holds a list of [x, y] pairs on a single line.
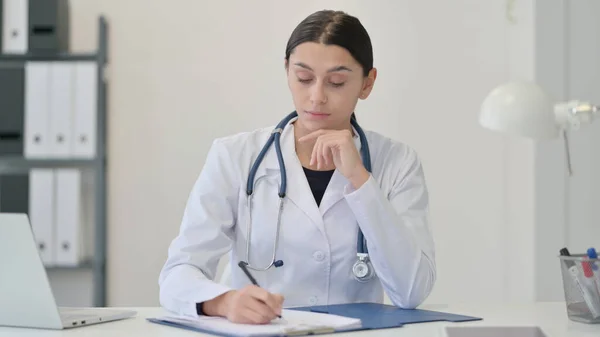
{"points": [[249, 305], [337, 146]]}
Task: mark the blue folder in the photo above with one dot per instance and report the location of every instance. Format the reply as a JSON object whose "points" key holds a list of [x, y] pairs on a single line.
{"points": [[373, 316], [382, 316]]}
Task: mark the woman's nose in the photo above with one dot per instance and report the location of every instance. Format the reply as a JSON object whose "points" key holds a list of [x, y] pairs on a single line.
{"points": [[317, 94]]}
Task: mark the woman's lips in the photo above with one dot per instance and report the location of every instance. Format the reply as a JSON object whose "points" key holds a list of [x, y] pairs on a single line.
{"points": [[317, 114]]}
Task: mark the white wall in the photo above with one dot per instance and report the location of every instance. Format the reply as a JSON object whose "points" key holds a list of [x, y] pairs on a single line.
{"points": [[180, 69], [567, 66], [584, 83]]}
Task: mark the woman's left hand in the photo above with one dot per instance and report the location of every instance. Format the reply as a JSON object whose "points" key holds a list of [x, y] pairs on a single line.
{"points": [[337, 146]]}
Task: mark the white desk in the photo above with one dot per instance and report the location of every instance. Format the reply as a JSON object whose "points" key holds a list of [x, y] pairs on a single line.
{"points": [[551, 317]]}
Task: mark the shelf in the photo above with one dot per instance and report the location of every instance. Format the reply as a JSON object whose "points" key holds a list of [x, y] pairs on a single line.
{"points": [[20, 165], [82, 266], [27, 57]]}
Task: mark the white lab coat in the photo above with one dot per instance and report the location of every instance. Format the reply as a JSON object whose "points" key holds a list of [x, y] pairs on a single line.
{"points": [[317, 244]]}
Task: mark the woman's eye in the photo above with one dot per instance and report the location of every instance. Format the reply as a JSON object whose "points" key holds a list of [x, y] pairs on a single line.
{"points": [[308, 80]]}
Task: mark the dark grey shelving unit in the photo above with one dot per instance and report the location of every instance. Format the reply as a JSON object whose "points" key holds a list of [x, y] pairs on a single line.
{"points": [[17, 164]]}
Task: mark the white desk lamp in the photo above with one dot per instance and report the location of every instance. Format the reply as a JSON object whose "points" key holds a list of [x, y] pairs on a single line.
{"points": [[524, 109]]}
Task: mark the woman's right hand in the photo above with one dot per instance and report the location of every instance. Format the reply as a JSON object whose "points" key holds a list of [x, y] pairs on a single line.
{"points": [[249, 305]]}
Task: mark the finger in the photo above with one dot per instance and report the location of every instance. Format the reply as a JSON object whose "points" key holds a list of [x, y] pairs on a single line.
{"points": [[251, 316], [267, 299], [332, 146], [313, 155], [335, 152], [261, 308], [317, 152], [321, 159], [265, 311], [325, 152], [279, 299], [313, 135]]}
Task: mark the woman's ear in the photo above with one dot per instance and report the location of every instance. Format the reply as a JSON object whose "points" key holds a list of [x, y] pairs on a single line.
{"points": [[368, 84]]}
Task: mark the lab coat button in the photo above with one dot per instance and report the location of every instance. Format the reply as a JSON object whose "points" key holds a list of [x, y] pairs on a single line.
{"points": [[313, 300], [319, 255]]}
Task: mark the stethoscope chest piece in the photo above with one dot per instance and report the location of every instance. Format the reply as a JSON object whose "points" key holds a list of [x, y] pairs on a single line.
{"points": [[362, 269]]}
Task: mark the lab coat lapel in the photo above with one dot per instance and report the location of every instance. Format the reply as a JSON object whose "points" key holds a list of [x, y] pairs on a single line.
{"points": [[334, 192], [298, 190], [335, 189]]}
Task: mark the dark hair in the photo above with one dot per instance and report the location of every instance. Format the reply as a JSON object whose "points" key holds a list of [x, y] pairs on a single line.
{"points": [[334, 28]]}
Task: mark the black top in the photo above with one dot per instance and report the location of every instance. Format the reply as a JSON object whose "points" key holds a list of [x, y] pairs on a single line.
{"points": [[318, 181]]}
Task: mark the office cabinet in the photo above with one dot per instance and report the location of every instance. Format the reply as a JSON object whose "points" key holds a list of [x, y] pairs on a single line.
{"points": [[52, 148]]}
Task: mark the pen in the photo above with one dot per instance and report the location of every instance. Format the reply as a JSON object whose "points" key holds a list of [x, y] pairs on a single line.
{"points": [[584, 283], [591, 252], [594, 268], [250, 277]]}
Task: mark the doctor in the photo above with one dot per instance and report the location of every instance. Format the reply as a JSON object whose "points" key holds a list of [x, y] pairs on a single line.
{"points": [[343, 220]]}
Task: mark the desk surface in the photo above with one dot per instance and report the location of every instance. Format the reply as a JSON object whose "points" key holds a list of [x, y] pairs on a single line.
{"points": [[551, 317]]}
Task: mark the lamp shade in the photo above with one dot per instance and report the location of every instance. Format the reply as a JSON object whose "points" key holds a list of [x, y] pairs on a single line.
{"points": [[520, 108]]}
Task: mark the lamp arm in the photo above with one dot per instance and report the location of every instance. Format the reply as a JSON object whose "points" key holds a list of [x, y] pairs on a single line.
{"points": [[571, 115]]}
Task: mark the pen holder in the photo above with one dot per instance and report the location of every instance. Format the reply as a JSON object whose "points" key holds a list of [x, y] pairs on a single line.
{"points": [[581, 283]]}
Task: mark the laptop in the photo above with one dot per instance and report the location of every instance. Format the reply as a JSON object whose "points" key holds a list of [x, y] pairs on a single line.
{"points": [[494, 331], [26, 298]]}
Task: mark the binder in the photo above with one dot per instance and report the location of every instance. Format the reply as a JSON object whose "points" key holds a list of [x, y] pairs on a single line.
{"points": [[72, 225], [15, 15], [61, 109], [48, 26], [382, 316], [14, 191], [84, 140], [1, 24], [37, 113], [41, 212], [12, 93]]}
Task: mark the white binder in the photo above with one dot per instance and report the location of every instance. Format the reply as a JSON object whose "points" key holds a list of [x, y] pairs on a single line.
{"points": [[72, 218], [37, 118], [15, 21], [84, 140], [41, 212], [61, 109]]}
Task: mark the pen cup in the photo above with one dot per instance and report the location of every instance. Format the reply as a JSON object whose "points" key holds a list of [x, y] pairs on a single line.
{"points": [[581, 284]]}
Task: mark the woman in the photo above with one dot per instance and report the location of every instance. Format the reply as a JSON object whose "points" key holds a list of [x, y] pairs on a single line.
{"points": [[332, 196]]}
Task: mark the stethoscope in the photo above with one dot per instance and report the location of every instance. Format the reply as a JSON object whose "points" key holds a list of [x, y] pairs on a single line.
{"points": [[362, 268]]}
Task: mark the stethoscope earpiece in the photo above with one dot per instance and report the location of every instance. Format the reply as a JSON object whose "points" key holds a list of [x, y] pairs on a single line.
{"points": [[278, 263]]}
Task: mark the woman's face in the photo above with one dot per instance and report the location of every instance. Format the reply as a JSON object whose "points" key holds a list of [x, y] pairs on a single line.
{"points": [[326, 83]]}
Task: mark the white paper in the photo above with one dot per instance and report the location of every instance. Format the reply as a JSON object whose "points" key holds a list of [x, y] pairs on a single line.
{"points": [[293, 321]]}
